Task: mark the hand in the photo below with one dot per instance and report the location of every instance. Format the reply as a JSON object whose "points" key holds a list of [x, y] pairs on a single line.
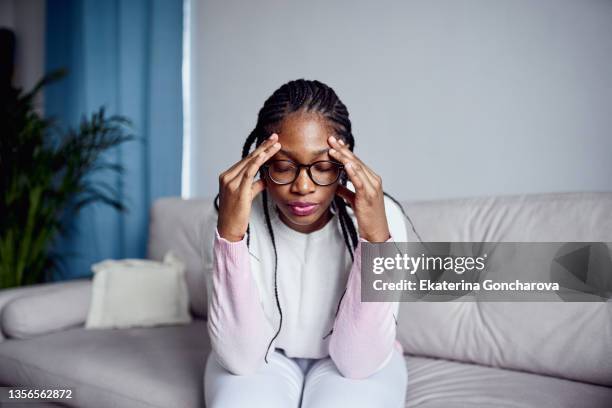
{"points": [[367, 201], [237, 190]]}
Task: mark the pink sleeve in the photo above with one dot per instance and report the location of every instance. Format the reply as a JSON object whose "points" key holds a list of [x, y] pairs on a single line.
{"points": [[238, 328], [363, 337]]}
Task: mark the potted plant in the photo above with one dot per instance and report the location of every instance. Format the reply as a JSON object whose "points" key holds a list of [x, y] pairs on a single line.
{"points": [[45, 172]]}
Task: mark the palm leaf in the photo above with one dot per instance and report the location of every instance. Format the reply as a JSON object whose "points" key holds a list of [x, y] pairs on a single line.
{"points": [[45, 173]]}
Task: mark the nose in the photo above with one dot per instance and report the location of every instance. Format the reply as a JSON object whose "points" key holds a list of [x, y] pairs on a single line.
{"points": [[303, 184]]}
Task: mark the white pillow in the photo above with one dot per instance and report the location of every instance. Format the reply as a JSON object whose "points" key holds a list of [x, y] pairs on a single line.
{"points": [[138, 293]]}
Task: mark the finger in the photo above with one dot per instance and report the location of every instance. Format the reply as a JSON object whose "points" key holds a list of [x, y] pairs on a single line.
{"points": [[350, 171], [264, 145], [364, 184], [346, 194], [238, 167], [373, 178], [355, 172], [343, 150], [336, 154], [354, 178], [248, 173], [257, 161], [361, 176], [367, 173], [341, 147]]}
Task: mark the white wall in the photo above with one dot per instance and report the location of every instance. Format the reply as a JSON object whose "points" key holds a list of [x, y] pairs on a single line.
{"points": [[447, 98]]}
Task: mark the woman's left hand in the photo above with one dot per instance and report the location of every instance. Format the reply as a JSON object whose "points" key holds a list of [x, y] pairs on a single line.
{"points": [[367, 201]]}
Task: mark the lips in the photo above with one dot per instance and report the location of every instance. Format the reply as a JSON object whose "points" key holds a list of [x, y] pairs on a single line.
{"points": [[302, 208]]}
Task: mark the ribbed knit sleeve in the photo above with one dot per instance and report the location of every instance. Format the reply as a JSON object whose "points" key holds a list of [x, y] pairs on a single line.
{"points": [[238, 328], [363, 336]]}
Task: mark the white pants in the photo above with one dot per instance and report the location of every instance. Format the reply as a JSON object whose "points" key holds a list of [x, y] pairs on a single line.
{"points": [[308, 383]]}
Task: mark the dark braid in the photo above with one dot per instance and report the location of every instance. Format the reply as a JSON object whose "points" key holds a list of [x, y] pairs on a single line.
{"points": [[305, 96], [271, 231]]}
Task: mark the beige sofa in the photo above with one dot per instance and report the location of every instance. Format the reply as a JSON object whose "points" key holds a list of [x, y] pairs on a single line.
{"points": [[461, 354]]}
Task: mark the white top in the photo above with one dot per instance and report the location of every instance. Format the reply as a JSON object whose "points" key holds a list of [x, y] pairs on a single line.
{"points": [[312, 274]]}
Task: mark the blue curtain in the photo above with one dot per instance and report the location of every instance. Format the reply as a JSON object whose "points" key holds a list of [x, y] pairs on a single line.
{"points": [[125, 55]]}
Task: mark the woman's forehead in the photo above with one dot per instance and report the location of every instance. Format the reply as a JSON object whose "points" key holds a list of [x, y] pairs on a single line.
{"points": [[304, 136]]}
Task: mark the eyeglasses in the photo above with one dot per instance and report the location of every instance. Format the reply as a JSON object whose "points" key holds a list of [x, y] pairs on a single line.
{"points": [[322, 173]]}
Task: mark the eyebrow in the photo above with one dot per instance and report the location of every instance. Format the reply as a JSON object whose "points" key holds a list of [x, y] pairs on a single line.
{"points": [[292, 155]]}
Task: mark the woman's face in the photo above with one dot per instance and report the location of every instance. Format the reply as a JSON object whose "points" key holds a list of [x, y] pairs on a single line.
{"points": [[303, 139]]}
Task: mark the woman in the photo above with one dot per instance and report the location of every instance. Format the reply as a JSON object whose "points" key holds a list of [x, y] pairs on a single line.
{"points": [[285, 319]]}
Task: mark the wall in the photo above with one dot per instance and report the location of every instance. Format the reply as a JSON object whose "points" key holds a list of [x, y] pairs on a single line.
{"points": [[447, 98]]}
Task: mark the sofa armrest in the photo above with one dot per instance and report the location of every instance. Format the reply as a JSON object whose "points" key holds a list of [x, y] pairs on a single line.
{"points": [[7, 295], [38, 309]]}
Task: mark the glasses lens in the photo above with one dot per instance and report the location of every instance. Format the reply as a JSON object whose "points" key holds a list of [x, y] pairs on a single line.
{"points": [[325, 172], [282, 171]]}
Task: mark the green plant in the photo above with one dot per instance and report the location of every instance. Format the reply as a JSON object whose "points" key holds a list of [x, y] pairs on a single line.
{"points": [[44, 173]]}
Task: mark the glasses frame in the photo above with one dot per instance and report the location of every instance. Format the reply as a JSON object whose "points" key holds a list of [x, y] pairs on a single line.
{"points": [[299, 166]]}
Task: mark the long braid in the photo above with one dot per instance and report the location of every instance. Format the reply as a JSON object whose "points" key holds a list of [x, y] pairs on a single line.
{"points": [[303, 95], [343, 228], [271, 231]]}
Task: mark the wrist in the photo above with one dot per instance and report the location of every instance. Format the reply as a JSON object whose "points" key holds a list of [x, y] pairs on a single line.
{"points": [[377, 237], [229, 235]]}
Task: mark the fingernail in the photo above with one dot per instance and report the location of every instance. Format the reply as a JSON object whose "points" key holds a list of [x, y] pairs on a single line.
{"points": [[341, 142], [333, 139], [332, 151], [272, 136], [276, 144]]}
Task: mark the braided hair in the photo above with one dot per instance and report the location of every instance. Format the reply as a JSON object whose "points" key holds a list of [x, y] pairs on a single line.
{"points": [[304, 96]]}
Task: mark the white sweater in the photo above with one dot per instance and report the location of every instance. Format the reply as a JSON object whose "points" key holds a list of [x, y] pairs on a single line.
{"points": [[312, 275]]}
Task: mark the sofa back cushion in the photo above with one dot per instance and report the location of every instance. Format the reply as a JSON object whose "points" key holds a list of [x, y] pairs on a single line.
{"points": [[571, 340], [175, 225]]}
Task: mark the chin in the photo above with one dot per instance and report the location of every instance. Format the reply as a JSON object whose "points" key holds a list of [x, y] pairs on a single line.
{"points": [[304, 220]]}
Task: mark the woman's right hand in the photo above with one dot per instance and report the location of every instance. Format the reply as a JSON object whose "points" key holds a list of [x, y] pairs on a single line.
{"points": [[237, 190]]}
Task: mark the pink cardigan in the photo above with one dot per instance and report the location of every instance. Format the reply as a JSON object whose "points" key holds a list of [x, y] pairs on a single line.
{"points": [[363, 335]]}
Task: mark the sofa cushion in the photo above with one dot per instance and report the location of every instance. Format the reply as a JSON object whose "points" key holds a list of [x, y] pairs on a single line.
{"points": [[434, 383], [137, 367], [138, 293], [570, 340], [164, 367]]}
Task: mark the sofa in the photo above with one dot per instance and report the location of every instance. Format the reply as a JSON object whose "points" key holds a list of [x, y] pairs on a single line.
{"points": [[458, 354]]}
